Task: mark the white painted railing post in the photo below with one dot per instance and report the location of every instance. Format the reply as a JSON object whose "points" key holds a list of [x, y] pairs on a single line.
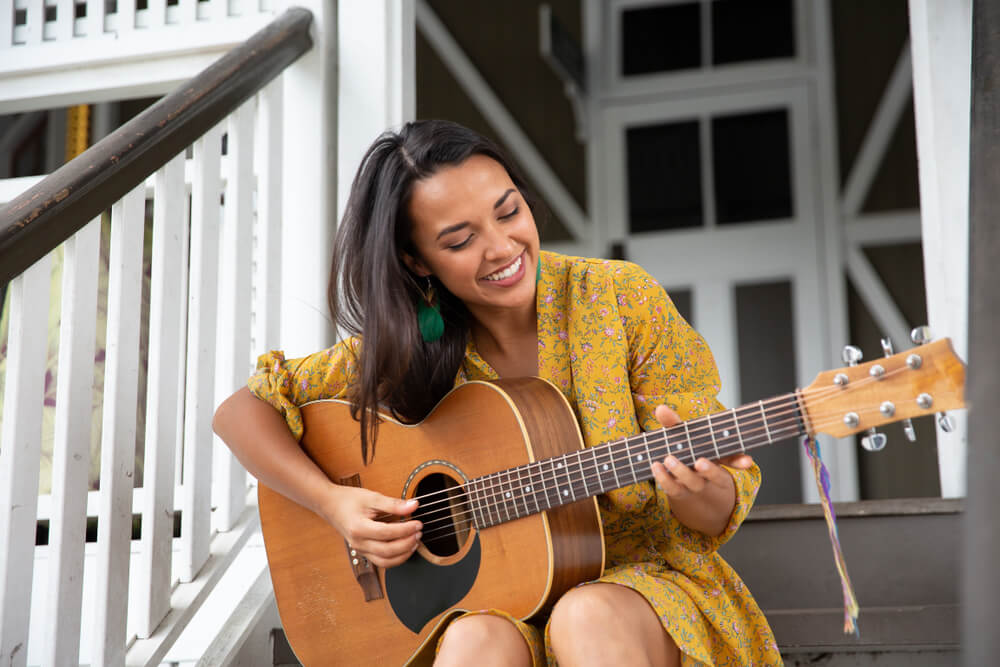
{"points": [[941, 34], [71, 449], [309, 185], [20, 453], [118, 433], [233, 337]]}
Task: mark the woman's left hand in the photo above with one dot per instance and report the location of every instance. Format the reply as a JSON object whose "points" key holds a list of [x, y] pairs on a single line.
{"points": [[702, 496]]}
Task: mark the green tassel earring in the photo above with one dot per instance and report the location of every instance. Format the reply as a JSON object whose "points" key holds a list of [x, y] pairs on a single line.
{"points": [[429, 319]]}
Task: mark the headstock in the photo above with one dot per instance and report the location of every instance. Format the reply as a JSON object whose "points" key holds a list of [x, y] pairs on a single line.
{"points": [[921, 381]]}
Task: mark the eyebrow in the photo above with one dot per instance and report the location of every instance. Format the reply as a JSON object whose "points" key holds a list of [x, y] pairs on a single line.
{"points": [[462, 225]]}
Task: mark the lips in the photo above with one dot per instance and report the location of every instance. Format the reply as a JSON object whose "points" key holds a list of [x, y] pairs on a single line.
{"points": [[508, 271]]}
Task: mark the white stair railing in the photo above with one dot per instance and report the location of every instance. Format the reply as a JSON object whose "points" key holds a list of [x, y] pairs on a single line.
{"points": [[124, 601]]}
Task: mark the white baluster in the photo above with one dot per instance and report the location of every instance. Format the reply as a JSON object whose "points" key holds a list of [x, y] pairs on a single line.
{"points": [[199, 402], [165, 305], [156, 14], [267, 155], [6, 24], [71, 448], [121, 384], [233, 363], [126, 16], [95, 18], [20, 454], [64, 21], [188, 11], [34, 26]]}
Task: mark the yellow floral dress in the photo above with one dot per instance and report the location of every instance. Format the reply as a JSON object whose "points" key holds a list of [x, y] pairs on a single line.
{"points": [[612, 341]]}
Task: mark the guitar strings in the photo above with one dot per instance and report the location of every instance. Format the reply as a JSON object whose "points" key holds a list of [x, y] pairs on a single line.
{"points": [[698, 431], [497, 497], [504, 499], [437, 532]]}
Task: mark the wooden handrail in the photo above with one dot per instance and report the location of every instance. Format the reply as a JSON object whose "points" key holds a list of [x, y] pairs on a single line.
{"points": [[45, 215]]}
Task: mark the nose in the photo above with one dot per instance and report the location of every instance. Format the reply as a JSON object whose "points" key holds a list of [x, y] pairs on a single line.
{"points": [[499, 245]]}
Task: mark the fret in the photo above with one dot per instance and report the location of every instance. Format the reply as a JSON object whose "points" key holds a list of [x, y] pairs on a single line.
{"points": [[491, 500], [763, 416], [648, 457], [614, 464], [509, 501], [628, 455], [568, 489], [555, 481], [583, 477], [476, 505], [545, 486], [736, 423], [597, 469], [528, 490], [711, 432], [687, 433]]}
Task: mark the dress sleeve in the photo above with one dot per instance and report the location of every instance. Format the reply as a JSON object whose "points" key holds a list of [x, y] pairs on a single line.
{"points": [[288, 384], [670, 363]]}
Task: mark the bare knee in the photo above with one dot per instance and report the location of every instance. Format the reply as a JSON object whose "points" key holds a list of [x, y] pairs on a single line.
{"points": [[483, 640], [586, 607]]}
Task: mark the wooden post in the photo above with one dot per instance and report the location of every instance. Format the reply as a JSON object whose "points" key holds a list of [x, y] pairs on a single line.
{"points": [[980, 578]]}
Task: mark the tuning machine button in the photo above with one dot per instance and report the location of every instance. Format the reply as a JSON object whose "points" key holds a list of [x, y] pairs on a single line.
{"points": [[851, 355], [921, 335], [874, 441], [946, 422]]}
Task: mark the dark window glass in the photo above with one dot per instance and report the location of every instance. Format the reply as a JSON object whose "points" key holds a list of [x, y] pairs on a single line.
{"points": [[50, 13], [661, 39], [767, 369], [663, 176], [681, 296], [745, 30], [751, 162]]}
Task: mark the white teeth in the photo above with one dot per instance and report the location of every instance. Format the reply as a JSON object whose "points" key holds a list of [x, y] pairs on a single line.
{"points": [[506, 273]]}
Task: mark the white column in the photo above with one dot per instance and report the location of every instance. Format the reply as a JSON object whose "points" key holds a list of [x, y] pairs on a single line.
{"points": [[941, 34], [377, 79], [309, 185]]}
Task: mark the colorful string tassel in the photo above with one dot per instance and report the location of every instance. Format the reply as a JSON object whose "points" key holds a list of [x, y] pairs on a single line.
{"points": [[823, 485]]}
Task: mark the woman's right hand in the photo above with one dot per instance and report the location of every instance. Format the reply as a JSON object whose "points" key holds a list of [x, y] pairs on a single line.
{"points": [[368, 521]]}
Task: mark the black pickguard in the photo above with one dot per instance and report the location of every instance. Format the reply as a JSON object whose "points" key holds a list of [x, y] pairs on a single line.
{"points": [[419, 590]]}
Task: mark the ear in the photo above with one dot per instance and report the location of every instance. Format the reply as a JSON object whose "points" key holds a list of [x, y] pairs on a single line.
{"points": [[416, 265]]}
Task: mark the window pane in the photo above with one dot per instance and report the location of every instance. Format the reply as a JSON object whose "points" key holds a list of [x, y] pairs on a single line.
{"points": [[664, 176], [661, 39], [767, 368], [751, 162], [681, 296], [745, 30]]}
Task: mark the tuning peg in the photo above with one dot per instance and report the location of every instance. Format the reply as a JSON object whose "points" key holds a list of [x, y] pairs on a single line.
{"points": [[874, 441], [921, 335], [946, 422], [911, 434], [851, 355], [887, 346]]}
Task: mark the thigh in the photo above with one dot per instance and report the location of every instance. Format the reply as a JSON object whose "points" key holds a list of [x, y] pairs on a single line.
{"points": [[604, 623], [489, 638]]}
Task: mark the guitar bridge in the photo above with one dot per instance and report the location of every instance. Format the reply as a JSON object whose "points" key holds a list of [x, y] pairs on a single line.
{"points": [[364, 571]]}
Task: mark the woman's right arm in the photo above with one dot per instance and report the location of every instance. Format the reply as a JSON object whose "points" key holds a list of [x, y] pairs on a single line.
{"points": [[259, 437]]}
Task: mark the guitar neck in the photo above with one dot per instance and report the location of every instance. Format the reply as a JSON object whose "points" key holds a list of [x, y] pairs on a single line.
{"points": [[517, 492]]}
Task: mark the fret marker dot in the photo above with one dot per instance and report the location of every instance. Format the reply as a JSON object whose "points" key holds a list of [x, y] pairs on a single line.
{"points": [[679, 445], [725, 434], [527, 489], [507, 494], [605, 466], [565, 492], [559, 466], [638, 458]]}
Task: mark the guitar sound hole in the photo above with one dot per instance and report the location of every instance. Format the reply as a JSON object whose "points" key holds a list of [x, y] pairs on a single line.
{"points": [[444, 512]]}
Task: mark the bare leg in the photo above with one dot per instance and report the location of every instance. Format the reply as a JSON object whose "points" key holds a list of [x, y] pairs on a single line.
{"points": [[608, 624], [484, 641]]}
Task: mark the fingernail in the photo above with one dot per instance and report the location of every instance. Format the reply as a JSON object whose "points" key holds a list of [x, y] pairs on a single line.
{"points": [[672, 462]]}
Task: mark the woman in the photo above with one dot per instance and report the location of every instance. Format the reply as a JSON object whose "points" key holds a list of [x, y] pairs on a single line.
{"points": [[440, 222]]}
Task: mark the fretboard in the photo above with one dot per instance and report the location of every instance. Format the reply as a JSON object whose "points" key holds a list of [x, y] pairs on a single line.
{"points": [[517, 492]]}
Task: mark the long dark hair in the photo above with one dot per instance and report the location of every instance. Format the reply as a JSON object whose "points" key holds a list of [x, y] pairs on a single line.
{"points": [[374, 295]]}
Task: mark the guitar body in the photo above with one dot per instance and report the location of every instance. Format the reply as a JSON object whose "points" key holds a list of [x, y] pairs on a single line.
{"points": [[330, 606]]}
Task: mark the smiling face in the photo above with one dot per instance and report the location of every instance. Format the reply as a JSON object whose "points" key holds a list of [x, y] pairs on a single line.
{"points": [[474, 232]]}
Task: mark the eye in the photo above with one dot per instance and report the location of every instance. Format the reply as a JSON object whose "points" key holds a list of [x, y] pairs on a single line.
{"points": [[511, 214], [459, 246]]}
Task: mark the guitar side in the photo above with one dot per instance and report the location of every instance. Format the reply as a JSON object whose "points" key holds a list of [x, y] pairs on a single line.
{"points": [[521, 566]]}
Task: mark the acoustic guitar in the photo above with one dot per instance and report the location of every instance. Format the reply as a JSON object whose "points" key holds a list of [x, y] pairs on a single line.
{"points": [[506, 496]]}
